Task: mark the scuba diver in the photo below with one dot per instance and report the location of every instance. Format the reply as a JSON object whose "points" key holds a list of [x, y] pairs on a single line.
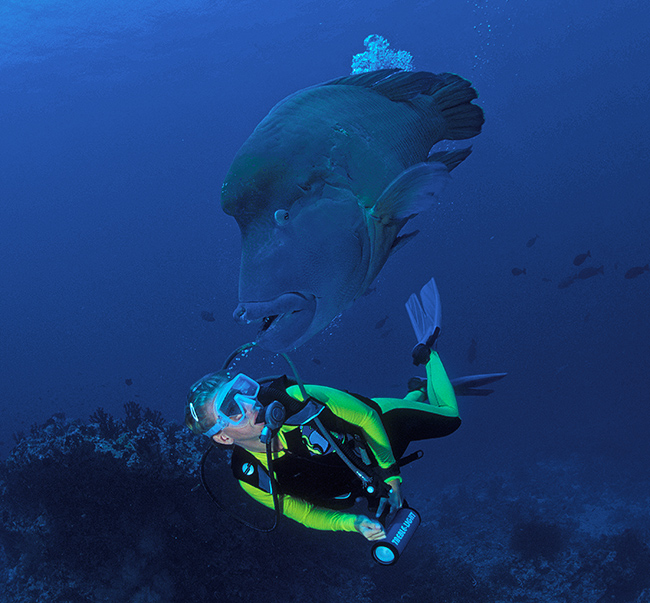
{"points": [[310, 452]]}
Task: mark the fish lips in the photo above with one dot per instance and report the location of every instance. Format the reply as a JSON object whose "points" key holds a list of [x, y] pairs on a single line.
{"points": [[283, 322]]}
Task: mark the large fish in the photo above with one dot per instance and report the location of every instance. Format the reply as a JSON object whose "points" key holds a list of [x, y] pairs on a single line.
{"points": [[325, 183]]}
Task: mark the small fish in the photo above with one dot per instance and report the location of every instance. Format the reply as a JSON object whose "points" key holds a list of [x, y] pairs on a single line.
{"points": [[207, 316], [518, 271], [471, 352], [531, 242], [590, 271], [315, 360], [581, 257], [546, 280], [637, 271], [381, 323], [128, 381], [568, 281]]}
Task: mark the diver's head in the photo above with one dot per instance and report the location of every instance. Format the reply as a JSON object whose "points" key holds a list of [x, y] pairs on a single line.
{"points": [[219, 401]]}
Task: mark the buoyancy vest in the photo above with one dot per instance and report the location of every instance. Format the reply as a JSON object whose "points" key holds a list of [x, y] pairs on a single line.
{"points": [[309, 468], [316, 478]]}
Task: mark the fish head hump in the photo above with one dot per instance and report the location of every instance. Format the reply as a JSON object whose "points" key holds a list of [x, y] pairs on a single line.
{"points": [[304, 260], [300, 203]]}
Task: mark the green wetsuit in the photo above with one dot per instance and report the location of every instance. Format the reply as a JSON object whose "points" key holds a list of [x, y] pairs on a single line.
{"points": [[387, 429]]}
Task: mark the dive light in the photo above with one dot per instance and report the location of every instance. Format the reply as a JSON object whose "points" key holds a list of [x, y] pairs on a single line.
{"points": [[398, 533]]}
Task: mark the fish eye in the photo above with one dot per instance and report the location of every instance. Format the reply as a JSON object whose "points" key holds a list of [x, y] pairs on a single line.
{"points": [[281, 217]]}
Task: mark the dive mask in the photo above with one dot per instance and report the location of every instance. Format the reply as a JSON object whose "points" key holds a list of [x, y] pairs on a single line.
{"points": [[229, 402]]}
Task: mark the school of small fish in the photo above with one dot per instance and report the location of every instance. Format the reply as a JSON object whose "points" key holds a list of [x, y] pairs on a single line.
{"points": [[584, 273]]}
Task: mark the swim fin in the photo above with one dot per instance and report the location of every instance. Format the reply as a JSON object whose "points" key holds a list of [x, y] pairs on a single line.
{"points": [[463, 386], [425, 318], [471, 385]]}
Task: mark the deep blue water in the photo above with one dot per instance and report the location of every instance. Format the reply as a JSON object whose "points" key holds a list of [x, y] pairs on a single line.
{"points": [[118, 125]]}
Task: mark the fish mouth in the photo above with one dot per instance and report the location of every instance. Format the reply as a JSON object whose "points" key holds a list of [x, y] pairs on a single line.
{"points": [[282, 322]]}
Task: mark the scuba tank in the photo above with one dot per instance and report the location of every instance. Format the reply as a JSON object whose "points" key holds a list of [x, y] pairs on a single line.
{"points": [[399, 532]]}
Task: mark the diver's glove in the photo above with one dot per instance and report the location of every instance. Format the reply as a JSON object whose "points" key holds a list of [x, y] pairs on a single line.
{"points": [[425, 318]]}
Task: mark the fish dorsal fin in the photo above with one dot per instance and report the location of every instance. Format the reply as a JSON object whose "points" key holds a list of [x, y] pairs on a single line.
{"points": [[366, 80], [392, 83]]}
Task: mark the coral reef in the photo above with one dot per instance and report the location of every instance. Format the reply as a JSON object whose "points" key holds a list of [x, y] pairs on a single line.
{"points": [[378, 55], [111, 510], [538, 539]]}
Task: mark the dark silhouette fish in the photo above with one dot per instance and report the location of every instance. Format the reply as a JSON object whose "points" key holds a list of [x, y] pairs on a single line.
{"points": [[471, 352], [637, 271], [326, 182], [518, 271], [315, 360], [590, 271], [531, 242], [207, 316], [381, 323], [567, 282], [128, 381], [580, 258], [546, 280]]}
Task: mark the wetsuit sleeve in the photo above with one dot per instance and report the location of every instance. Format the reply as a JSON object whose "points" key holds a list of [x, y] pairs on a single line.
{"points": [[303, 512], [352, 410]]}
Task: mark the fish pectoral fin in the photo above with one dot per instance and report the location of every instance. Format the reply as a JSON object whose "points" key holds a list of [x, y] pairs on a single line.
{"points": [[451, 159], [402, 240], [413, 191]]}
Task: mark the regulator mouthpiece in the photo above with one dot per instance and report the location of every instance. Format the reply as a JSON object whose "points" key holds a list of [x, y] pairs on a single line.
{"points": [[274, 416]]}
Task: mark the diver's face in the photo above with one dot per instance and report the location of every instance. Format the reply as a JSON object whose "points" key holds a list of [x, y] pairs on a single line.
{"points": [[247, 433]]}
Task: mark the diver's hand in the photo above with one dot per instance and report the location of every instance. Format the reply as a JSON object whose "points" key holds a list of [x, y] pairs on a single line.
{"points": [[394, 499], [369, 529]]}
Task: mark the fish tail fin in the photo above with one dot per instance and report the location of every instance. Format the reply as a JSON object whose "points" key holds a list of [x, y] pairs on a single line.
{"points": [[451, 159], [647, 267], [453, 97], [601, 269]]}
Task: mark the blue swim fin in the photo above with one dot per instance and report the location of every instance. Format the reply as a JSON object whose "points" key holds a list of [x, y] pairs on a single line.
{"points": [[463, 386], [425, 318], [471, 385], [426, 315]]}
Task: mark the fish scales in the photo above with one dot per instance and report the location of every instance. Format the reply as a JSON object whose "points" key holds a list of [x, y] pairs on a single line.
{"points": [[384, 137]]}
